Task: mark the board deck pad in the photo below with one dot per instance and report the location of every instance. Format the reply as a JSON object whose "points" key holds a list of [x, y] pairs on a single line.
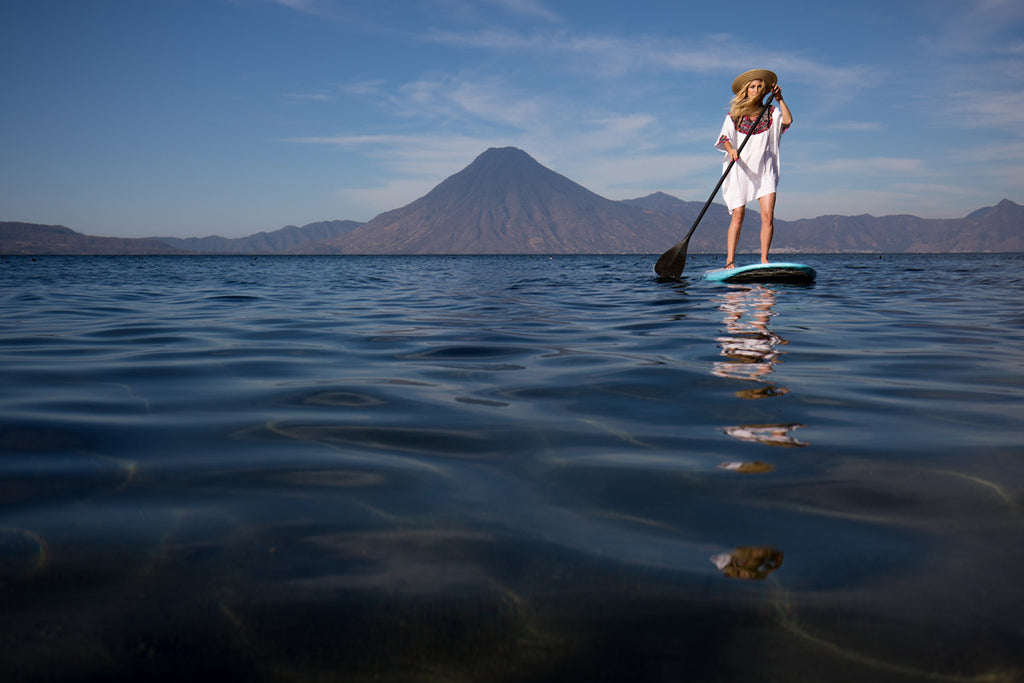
{"points": [[796, 273]]}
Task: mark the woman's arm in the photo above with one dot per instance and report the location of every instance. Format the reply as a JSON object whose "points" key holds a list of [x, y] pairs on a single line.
{"points": [[725, 137], [787, 117], [729, 149]]}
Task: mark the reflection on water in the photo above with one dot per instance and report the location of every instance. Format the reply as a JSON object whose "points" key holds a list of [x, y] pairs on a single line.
{"points": [[748, 343], [768, 434], [756, 467], [749, 562], [751, 350]]}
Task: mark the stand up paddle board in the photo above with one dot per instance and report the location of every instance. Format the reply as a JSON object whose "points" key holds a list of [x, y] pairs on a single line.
{"points": [[795, 273]]}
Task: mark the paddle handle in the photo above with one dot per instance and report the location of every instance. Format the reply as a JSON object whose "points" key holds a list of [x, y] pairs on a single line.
{"points": [[728, 168]]}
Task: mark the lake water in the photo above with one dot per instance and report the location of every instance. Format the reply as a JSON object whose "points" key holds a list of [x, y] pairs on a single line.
{"points": [[510, 469]]}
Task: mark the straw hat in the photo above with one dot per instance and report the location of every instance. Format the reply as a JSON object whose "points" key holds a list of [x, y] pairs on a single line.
{"points": [[769, 78]]}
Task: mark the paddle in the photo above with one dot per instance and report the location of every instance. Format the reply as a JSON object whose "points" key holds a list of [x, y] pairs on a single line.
{"points": [[672, 262]]}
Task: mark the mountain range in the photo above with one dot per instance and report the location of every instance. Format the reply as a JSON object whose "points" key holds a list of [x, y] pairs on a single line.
{"points": [[505, 202]]}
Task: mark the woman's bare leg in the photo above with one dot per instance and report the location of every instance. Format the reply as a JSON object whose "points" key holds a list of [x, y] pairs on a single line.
{"points": [[735, 225], [767, 224]]}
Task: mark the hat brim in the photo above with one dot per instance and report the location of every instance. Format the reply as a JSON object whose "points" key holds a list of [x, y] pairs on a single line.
{"points": [[769, 78]]}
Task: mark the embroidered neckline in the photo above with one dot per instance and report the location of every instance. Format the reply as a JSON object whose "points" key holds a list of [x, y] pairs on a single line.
{"points": [[746, 122]]}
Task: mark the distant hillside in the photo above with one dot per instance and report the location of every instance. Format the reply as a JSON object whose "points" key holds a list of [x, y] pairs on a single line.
{"points": [[998, 228], [276, 242], [32, 239], [505, 202]]}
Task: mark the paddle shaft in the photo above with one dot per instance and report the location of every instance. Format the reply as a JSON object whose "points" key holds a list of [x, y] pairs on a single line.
{"points": [[670, 269], [732, 163]]}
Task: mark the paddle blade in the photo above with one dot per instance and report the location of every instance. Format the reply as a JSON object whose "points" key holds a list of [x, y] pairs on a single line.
{"points": [[672, 262]]}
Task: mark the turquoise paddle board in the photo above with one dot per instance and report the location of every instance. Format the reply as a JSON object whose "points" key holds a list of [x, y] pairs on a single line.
{"points": [[795, 273]]}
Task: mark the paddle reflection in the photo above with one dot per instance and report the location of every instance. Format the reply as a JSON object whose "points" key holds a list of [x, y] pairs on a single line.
{"points": [[756, 467], [749, 345]]}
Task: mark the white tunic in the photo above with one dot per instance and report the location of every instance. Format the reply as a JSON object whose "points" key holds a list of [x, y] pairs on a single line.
{"points": [[756, 172]]}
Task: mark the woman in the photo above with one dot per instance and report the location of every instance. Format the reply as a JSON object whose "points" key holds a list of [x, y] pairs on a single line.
{"points": [[755, 174]]}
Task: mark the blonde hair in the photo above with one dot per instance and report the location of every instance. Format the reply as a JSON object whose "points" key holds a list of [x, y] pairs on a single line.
{"points": [[741, 105]]}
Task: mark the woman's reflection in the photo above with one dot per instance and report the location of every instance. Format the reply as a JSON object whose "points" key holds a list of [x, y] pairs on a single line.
{"points": [[752, 350], [749, 562], [748, 344], [769, 434]]}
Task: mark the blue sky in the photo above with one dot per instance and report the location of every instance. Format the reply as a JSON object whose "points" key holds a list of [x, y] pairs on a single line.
{"points": [[229, 117]]}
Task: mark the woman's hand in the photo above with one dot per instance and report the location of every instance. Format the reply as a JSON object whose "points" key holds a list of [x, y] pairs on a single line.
{"points": [[777, 91]]}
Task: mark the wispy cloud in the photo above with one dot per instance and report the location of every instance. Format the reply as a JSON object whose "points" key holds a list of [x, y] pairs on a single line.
{"points": [[307, 6], [978, 26], [994, 153], [427, 155], [363, 88], [976, 50], [851, 126], [458, 97], [310, 97], [526, 8], [421, 142], [867, 166], [487, 39], [615, 56], [974, 108]]}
